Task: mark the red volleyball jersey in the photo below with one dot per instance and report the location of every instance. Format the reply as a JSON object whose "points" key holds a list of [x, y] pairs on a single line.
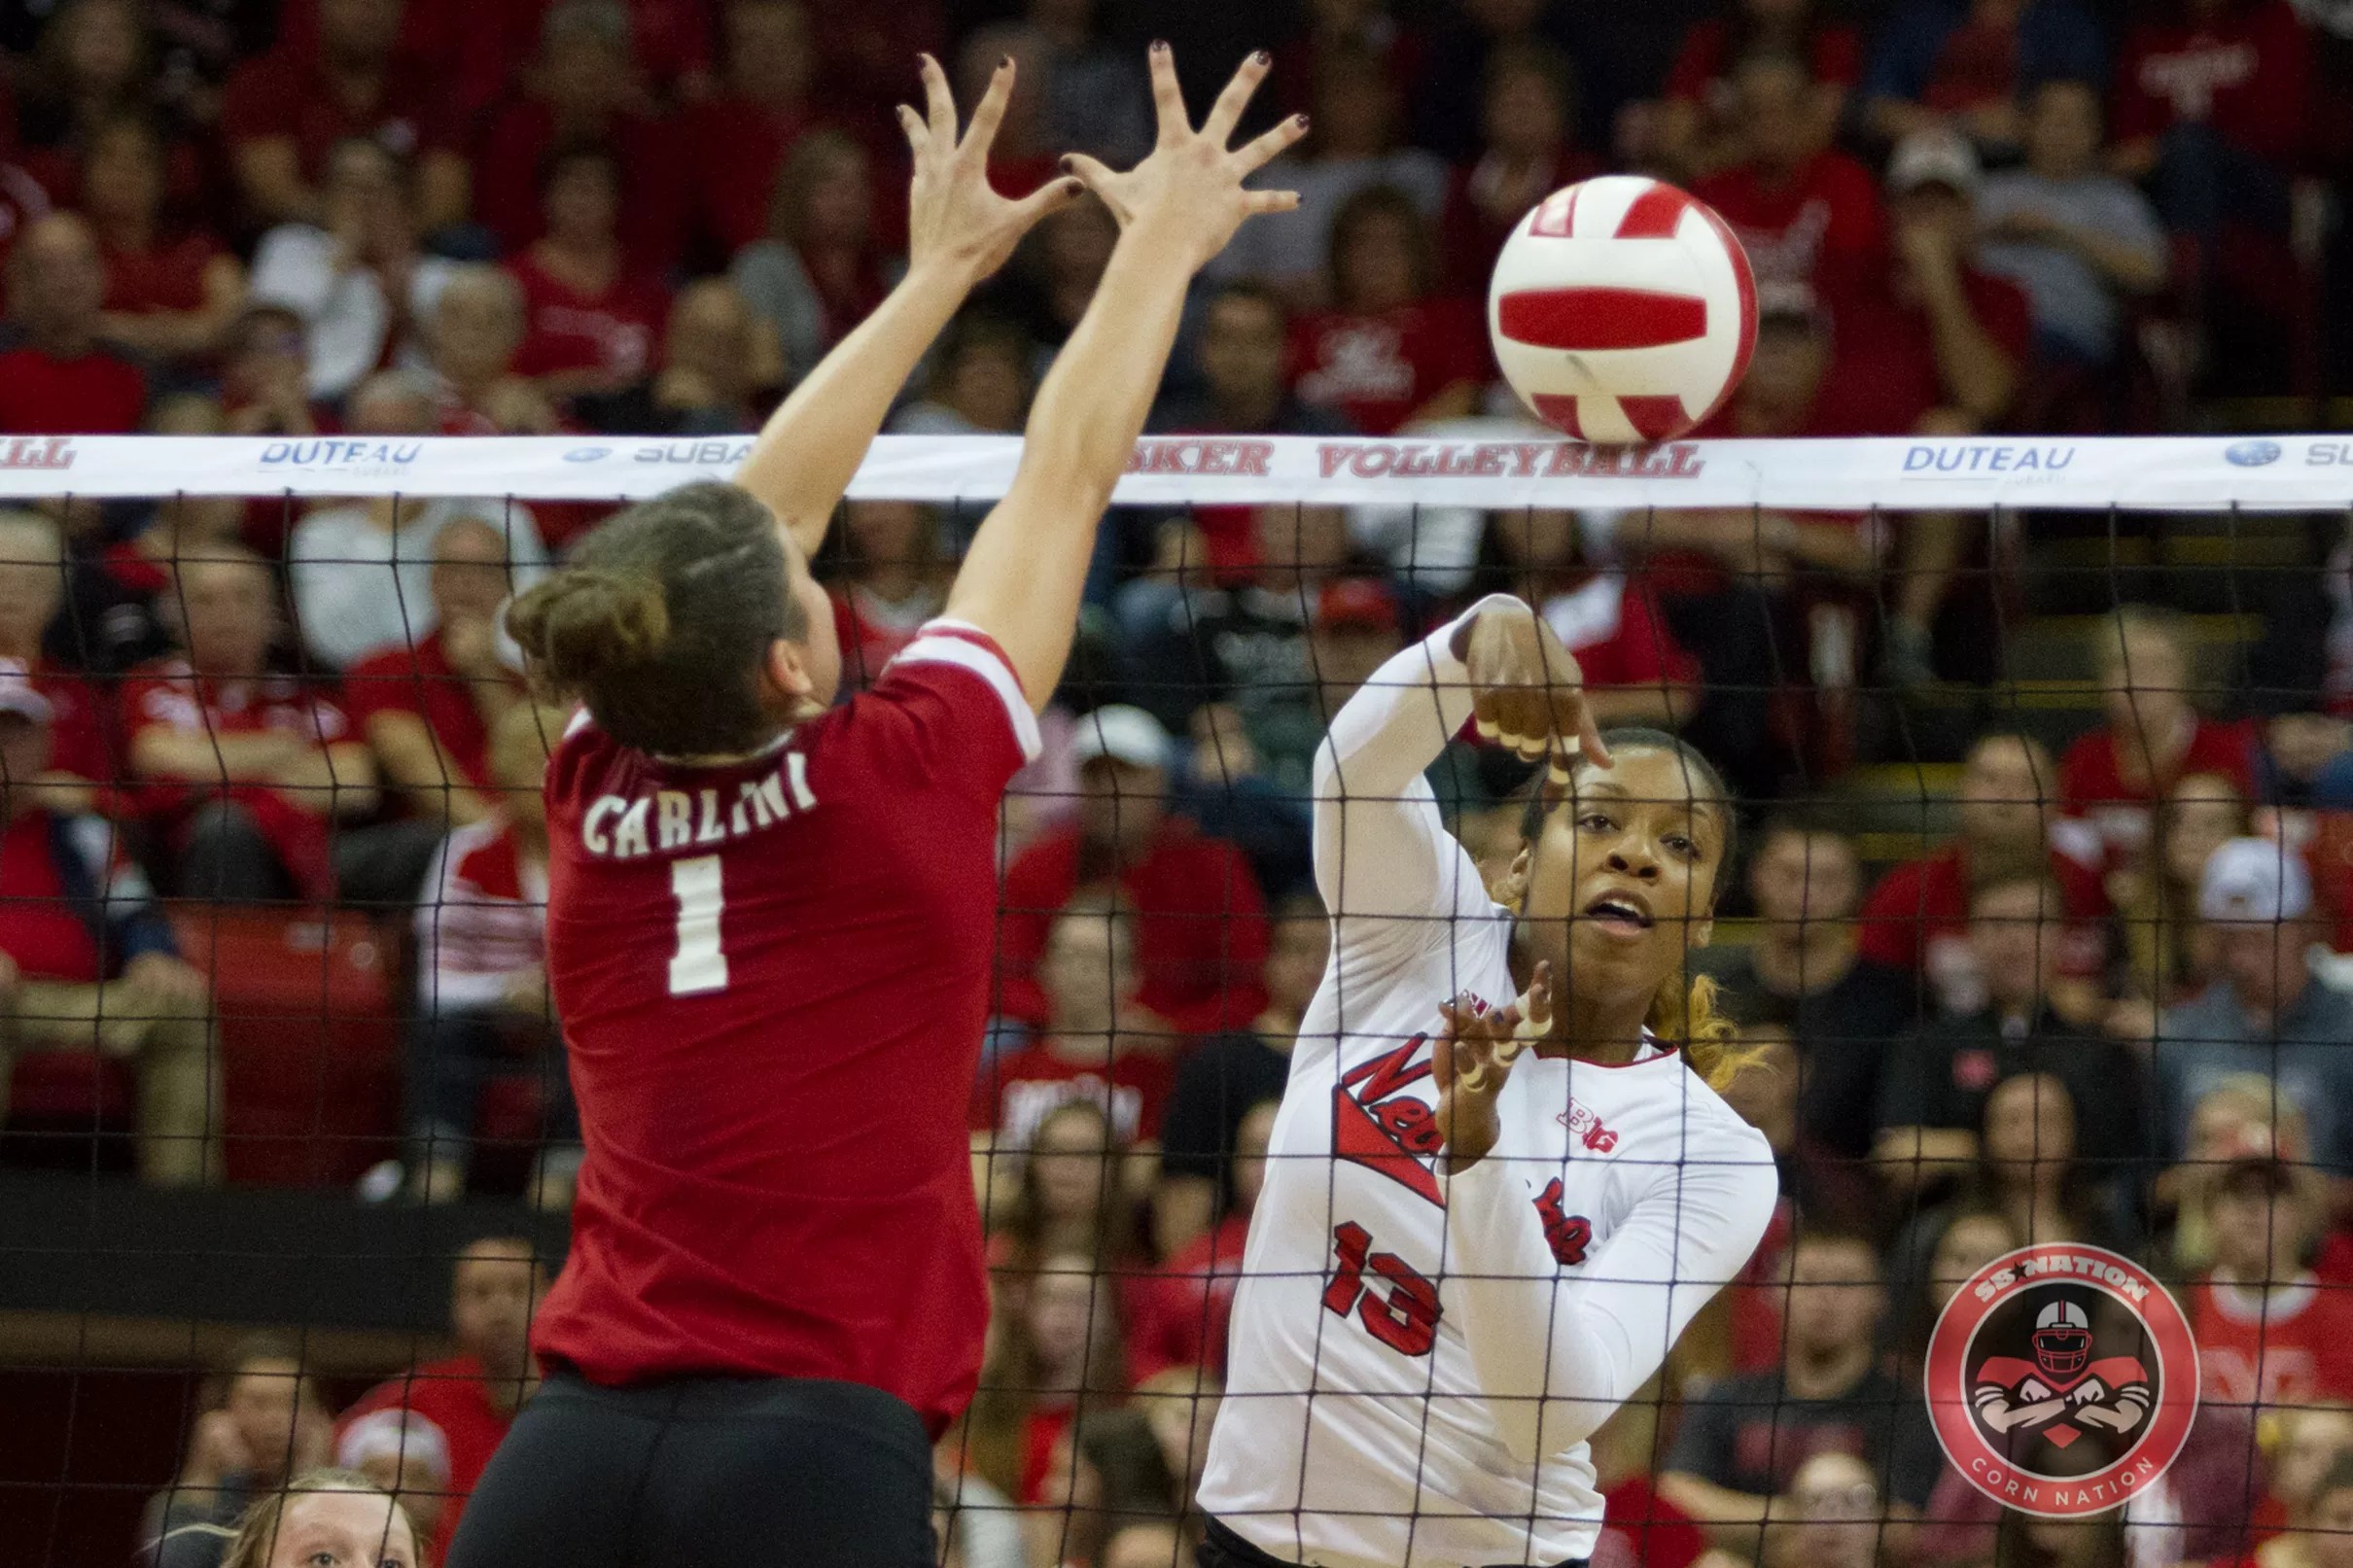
{"points": [[773, 977]]}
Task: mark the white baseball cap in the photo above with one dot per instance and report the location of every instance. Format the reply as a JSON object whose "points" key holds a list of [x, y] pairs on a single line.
{"points": [[2255, 881], [20, 696], [393, 1434], [1123, 733], [1933, 158]]}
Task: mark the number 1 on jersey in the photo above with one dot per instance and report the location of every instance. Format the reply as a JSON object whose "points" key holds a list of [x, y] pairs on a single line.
{"points": [[698, 965]]}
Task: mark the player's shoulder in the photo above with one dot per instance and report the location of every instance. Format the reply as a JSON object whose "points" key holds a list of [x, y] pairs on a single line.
{"points": [[957, 657]]}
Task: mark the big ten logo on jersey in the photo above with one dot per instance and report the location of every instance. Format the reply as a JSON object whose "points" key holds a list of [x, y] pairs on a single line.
{"points": [[1383, 1121], [1587, 1127]]}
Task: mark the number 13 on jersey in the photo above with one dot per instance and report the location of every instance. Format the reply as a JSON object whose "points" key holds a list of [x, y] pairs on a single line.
{"points": [[699, 965]]}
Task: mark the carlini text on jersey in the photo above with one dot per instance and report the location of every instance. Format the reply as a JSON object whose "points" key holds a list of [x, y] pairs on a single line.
{"points": [[624, 828]]}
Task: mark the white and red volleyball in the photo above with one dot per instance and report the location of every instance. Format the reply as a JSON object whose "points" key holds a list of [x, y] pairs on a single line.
{"points": [[1623, 310]]}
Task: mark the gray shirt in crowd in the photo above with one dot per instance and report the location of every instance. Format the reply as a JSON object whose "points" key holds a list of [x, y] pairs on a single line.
{"points": [[2308, 1054], [2072, 300]]}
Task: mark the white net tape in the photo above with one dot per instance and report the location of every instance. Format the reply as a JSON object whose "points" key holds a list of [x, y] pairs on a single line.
{"points": [[2159, 473]]}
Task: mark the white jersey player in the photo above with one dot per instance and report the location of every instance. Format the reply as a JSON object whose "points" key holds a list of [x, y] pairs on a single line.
{"points": [[1493, 1201]]}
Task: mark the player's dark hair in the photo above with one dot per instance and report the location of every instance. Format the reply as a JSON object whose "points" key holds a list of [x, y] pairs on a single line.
{"points": [[663, 620]]}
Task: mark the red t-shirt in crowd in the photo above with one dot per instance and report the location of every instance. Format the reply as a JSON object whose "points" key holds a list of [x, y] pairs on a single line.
{"points": [[1200, 932], [872, 631], [169, 694], [419, 680], [1377, 369], [779, 1182], [655, 198], [1640, 1529], [1020, 1089], [1917, 920], [169, 276], [99, 393], [2092, 785], [1883, 373], [288, 95], [1197, 1287], [453, 1396], [2247, 73], [2289, 1349], [612, 333], [80, 738], [1613, 626], [1822, 226], [733, 151], [1833, 54], [46, 938]]}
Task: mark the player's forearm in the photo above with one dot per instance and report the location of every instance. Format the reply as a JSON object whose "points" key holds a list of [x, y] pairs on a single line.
{"points": [[809, 450], [1093, 402], [1023, 577], [1584, 1343], [1398, 722], [1527, 1338]]}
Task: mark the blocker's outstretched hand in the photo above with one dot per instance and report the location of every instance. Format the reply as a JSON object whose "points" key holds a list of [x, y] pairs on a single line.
{"points": [[1473, 1059], [1189, 191], [954, 215]]}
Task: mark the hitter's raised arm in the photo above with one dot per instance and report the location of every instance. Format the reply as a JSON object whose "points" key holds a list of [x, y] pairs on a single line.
{"points": [[1021, 577], [959, 230]]}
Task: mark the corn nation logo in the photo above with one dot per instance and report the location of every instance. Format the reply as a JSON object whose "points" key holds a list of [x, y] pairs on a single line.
{"points": [[2062, 1380]]}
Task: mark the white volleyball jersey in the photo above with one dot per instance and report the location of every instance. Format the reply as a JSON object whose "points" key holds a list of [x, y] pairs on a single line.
{"points": [[1416, 1359]]}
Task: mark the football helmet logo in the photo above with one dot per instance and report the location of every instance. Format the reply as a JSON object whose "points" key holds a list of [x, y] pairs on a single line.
{"points": [[2062, 1340]]}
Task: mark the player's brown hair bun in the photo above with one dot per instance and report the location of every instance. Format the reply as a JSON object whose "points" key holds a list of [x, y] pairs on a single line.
{"points": [[663, 620], [583, 624]]}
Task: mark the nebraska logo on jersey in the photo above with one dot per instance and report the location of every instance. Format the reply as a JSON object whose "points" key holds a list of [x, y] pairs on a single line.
{"points": [[1378, 1123], [1567, 1234], [2062, 1380], [1587, 1127]]}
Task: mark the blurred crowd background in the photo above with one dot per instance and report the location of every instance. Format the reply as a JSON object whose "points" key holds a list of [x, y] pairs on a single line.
{"points": [[2048, 869]]}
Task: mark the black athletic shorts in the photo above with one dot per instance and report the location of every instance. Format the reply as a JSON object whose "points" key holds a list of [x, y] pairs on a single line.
{"points": [[704, 1473], [1223, 1549]]}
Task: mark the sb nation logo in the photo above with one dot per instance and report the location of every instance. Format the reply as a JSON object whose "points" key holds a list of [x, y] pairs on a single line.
{"points": [[2062, 1379]]}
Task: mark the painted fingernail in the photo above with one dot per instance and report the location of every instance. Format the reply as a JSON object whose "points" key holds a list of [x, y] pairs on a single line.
{"points": [[1066, 163], [1262, 59], [1160, 46], [1303, 121]]}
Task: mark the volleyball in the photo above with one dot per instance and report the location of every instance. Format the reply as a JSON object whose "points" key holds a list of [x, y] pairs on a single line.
{"points": [[1623, 310]]}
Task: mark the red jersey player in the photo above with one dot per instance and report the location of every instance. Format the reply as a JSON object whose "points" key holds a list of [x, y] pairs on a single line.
{"points": [[769, 918]]}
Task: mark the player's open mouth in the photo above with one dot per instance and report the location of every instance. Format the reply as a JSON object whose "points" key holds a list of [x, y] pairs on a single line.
{"points": [[1620, 914]]}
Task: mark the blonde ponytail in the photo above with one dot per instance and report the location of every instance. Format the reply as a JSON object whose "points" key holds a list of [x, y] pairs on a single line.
{"points": [[1683, 1014]]}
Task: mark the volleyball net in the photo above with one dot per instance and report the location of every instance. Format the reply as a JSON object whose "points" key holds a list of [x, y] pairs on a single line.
{"points": [[2044, 755]]}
